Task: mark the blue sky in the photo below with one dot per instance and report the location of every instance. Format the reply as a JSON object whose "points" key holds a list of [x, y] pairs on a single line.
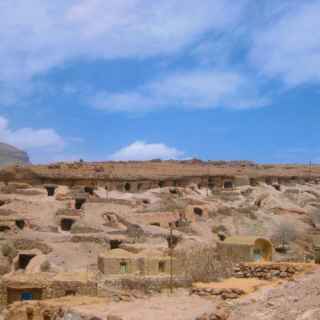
{"points": [[141, 79]]}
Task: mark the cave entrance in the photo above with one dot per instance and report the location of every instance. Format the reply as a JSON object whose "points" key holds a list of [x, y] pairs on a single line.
{"points": [[198, 211], [115, 244], [4, 228], [51, 190], [20, 224], [127, 187], [24, 260], [162, 266], [79, 203], [66, 224], [89, 190], [161, 184], [228, 184]]}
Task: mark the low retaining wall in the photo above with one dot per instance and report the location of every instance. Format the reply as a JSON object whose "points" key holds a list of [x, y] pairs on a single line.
{"points": [[267, 271]]}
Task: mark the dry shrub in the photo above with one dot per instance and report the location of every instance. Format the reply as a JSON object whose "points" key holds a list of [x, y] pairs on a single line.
{"points": [[202, 264], [284, 234]]}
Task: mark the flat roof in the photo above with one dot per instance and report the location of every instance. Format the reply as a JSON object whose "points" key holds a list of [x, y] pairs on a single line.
{"points": [[242, 240]]}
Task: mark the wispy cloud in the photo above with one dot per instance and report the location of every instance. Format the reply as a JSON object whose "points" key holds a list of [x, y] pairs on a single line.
{"points": [[29, 138], [140, 150], [40, 34], [200, 89], [288, 45]]}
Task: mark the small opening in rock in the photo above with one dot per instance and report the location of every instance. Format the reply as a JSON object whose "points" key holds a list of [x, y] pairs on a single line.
{"points": [[115, 244], [20, 224], [24, 260], [70, 293], [89, 190], [228, 184], [161, 184], [162, 266], [51, 191], [277, 187], [127, 187], [79, 202], [66, 224], [4, 228], [198, 211]]}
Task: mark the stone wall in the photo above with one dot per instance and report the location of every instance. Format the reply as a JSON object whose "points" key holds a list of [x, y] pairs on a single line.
{"points": [[268, 271]]}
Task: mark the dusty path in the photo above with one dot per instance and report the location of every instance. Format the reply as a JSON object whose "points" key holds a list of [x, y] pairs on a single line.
{"points": [[180, 306], [294, 300]]}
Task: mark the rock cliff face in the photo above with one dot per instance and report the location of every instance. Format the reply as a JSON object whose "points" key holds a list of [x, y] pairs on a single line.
{"points": [[12, 155]]}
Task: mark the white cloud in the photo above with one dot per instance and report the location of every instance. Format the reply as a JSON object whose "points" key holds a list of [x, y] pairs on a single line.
{"points": [[200, 89], [29, 139], [37, 35], [140, 150], [288, 46]]}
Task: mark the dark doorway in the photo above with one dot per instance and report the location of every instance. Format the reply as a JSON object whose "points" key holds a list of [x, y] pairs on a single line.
{"points": [[14, 295], [51, 190], [4, 228], [162, 266], [20, 224], [24, 260], [173, 191], [161, 184], [115, 244], [198, 211], [277, 186], [228, 184], [127, 187], [253, 182], [89, 190], [79, 203], [70, 293], [66, 224]]}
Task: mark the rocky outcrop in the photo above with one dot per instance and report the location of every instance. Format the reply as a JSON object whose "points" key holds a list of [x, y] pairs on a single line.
{"points": [[11, 155]]}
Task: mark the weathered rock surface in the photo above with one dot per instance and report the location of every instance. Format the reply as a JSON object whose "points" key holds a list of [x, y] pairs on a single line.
{"points": [[11, 155]]}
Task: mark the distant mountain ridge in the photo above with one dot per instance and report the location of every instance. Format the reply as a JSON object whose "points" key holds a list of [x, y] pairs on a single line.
{"points": [[12, 155]]}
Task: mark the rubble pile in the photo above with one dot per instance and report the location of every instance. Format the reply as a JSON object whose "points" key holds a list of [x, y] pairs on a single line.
{"points": [[224, 293]]}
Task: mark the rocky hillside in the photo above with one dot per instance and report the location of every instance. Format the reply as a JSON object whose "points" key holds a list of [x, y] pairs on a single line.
{"points": [[12, 155]]}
